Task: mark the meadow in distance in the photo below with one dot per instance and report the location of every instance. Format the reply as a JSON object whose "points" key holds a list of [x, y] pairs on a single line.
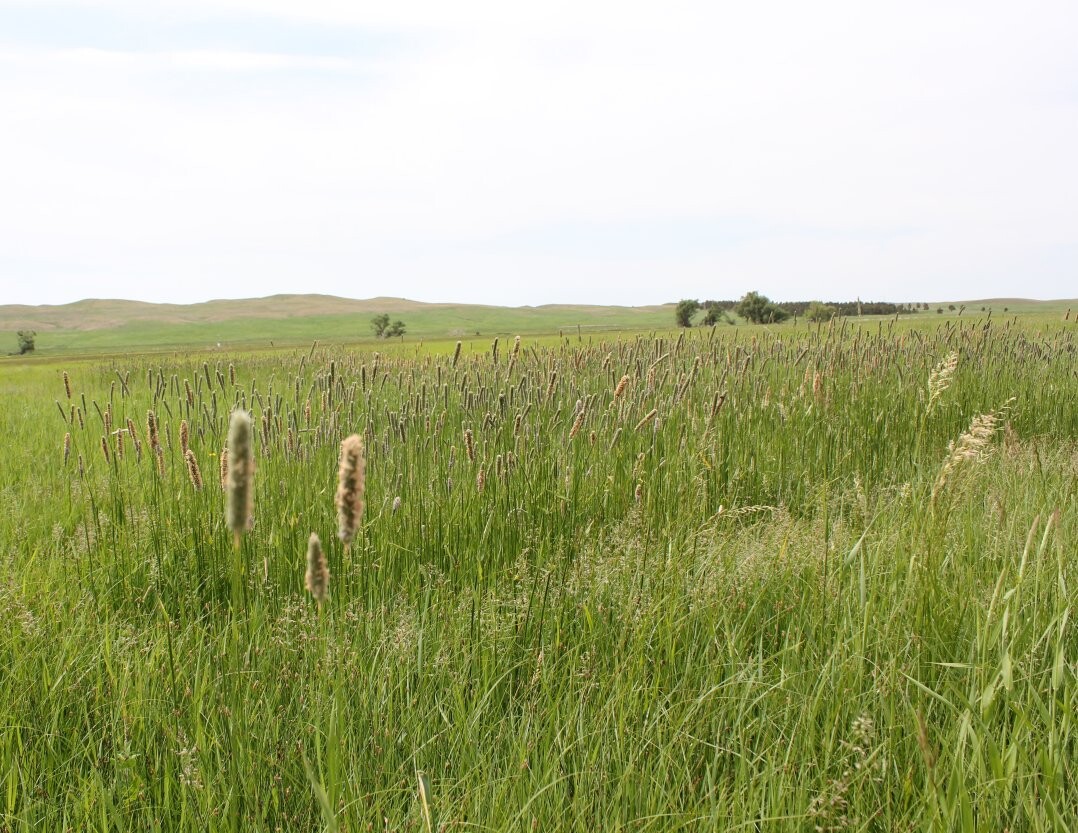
{"points": [[800, 577]]}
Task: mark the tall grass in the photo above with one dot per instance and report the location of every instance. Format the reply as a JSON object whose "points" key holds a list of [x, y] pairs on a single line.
{"points": [[728, 581]]}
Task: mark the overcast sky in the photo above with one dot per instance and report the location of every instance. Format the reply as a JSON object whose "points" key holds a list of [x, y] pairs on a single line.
{"points": [[510, 153]]}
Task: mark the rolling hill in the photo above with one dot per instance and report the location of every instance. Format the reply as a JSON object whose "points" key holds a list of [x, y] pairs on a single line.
{"points": [[96, 325]]}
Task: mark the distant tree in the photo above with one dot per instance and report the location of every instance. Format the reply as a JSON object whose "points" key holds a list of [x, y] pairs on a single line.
{"points": [[685, 310], [939, 310], [950, 307], [759, 309], [383, 329], [379, 324], [820, 312], [26, 341], [715, 315]]}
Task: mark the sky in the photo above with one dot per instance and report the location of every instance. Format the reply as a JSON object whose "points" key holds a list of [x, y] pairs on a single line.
{"points": [[527, 153]]}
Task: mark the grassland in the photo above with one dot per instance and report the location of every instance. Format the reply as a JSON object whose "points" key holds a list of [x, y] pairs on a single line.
{"points": [[117, 326], [792, 578], [110, 326]]}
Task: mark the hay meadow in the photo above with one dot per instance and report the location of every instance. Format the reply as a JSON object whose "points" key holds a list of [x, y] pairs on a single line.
{"points": [[803, 578]]}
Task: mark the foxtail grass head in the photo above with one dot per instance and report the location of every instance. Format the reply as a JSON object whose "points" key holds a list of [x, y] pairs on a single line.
{"points": [[239, 500], [351, 483], [193, 471], [317, 578]]}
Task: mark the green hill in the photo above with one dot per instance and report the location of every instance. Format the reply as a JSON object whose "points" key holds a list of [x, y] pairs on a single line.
{"points": [[108, 325]]}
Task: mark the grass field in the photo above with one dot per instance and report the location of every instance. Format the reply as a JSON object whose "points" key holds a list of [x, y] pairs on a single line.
{"points": [[793, 578], [98, 326], [115, 326]]}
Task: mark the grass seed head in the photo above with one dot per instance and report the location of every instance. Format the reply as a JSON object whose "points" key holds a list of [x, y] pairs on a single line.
{"points": [[151, 429], [351, 477], [317, 578], [579, 421], [940, 378], [239, 502], [650, 415], [971, 447], [193, 471]]}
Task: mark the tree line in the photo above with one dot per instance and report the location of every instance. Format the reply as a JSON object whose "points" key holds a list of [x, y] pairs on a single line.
{"points": [[759, 309]]}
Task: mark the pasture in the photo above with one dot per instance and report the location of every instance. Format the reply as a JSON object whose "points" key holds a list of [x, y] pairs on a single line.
{"points": [[798, 578]]}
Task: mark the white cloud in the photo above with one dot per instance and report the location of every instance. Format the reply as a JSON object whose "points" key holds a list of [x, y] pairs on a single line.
{"points": [[919, 150]]}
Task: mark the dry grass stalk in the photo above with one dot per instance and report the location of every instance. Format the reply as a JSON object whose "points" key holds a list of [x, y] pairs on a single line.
{"points": [[317, 578], [67, 446], [223, 463], [351, 476], [469, 444], [67, 385]]}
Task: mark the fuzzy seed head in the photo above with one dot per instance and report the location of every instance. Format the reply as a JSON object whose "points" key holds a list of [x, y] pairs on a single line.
{"points": [[151, 429], [579, 421], [351, 484], [239, 502], [193, 471], [317, 578], [620, 389], [650, 415]]}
